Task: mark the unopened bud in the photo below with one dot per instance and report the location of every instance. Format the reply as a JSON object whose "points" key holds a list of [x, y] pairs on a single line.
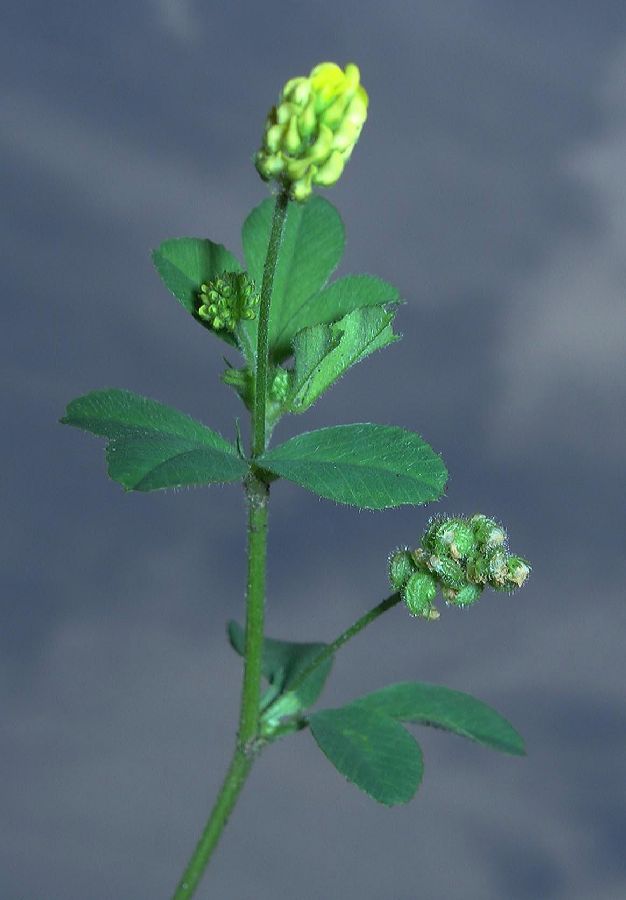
{"points": [[460, 538], [497, 566], [478, 569], [449, 572], [450, 537], [518, 570], [466, 596], [419, 593], [401, 567], [487, 531], [280, 386]]}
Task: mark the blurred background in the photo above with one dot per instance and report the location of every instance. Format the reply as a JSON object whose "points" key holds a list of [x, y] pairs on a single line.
{"points": [[489, 185]]}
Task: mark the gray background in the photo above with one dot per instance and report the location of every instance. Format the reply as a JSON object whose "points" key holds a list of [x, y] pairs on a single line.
{"points": [[489, 185]]}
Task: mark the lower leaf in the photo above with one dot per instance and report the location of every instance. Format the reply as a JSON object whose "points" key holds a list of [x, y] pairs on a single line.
{"points": [[371, 750], [433, 704]]}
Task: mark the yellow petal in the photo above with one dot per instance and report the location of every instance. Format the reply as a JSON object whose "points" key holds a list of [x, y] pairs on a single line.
{"points": [[331, 171], [322, 146], [301, 190]]}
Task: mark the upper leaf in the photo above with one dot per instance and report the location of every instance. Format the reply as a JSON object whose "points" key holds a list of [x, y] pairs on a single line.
{"points": [[312, 246], [373, 751], [153, 446], [371, 466], [283, 662], [324, 352], [185, 264], [431, 704], [337, 300]]}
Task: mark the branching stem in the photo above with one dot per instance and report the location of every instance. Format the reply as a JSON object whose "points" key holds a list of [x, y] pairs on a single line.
{"points": [[345, 636]]}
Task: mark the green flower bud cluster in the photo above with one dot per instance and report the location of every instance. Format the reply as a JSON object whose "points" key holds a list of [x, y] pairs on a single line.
{"points": [[310, 135], [279, 387], [227, 300], [461, 557]]}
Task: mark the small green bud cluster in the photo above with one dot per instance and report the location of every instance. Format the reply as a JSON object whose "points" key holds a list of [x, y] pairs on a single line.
{"points": [[242, 380], [227, 300], [279, 387], [461, 557], [311, 133]]}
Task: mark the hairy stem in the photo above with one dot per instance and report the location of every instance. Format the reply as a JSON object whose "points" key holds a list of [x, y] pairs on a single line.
{"points": [[263, 340], [257, 495], [257, 492]]}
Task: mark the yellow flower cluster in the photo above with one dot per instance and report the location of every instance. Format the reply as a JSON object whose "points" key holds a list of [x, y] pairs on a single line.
{"points": [[311, 133]]}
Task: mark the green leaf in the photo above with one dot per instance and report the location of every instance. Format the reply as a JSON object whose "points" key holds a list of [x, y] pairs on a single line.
{"points": [[186, 263], [152, 446], [371, 466], [431, 704], [371, 750], [312, 246], [324, 352], [283, 662], [338, 299]]}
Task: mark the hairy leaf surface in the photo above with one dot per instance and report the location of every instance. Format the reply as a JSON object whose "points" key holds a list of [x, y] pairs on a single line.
{"points": [[324, 352], [312, 246], [338, 299], [370, 466], [152, 446]]}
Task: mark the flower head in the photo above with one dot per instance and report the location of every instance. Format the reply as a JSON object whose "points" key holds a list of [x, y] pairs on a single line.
{"points": [[311, 133], [460, 557], [226, 300]]}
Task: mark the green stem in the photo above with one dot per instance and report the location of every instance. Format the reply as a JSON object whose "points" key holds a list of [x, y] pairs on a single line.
{"points": [[345, 636], [263, 340], [237, 773], [257, 492], [257, 495]]}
